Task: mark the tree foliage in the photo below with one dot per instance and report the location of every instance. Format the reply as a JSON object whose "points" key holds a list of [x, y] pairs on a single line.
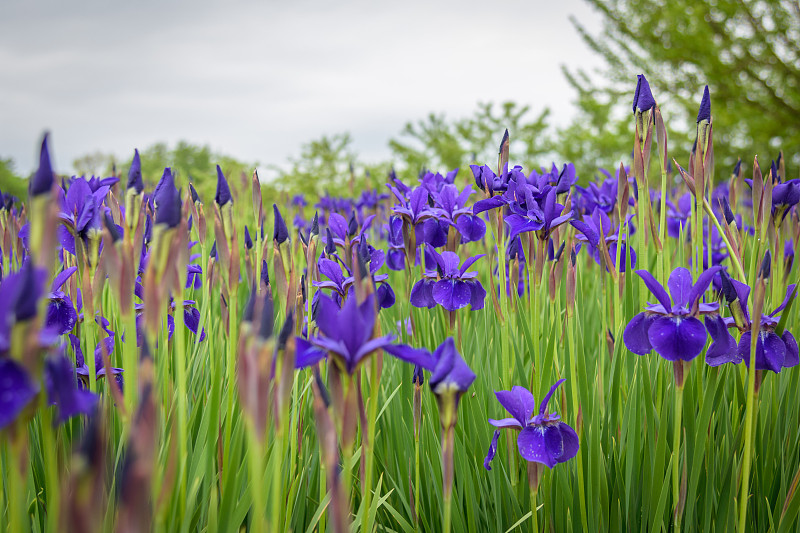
{"points": [[747, 51]]}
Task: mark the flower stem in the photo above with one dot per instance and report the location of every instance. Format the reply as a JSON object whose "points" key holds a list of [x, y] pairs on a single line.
{"points": [[447, 474], [676, 441], [748, 426]]}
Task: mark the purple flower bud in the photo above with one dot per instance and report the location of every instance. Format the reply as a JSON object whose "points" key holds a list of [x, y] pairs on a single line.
{"points": [[738, 167], [42, 181], [195, 196], [726, 207], [135, 174], [728, 290], [168, 202], [113, 229], [264, 272], [281, 232], [248, 242], [705, 107], [223, 195], [286, 330], [330, 246], [314, 225], [352, 224], [766, 266], [643, 99]]}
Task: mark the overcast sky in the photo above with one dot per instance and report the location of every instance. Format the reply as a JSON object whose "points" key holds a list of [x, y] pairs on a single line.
{"points": [[256, 80]]}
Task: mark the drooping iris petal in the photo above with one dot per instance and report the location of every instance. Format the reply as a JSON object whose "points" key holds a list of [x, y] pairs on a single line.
{"points": [[61, 315], [451, 294], [306, 353], [471, 227], [561, 441], [422, 294], [636, 335], [16, 390], [677, 338], [385, 296], [532, 447], [723, 347], [792, 357], [492, 450], [477, 295], [770, 350], [63, 390]]}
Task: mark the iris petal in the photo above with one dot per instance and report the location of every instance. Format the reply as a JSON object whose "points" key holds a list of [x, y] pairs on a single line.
{"points": [[676, 338]]}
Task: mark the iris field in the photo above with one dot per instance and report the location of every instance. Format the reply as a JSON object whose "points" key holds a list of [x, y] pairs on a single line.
{"points": [[489, 349]]}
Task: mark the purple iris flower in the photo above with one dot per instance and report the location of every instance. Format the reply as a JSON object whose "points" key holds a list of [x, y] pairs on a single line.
{"points": [[788, 256], [436, 182], [543, 438], [63, 391], [590, 230], [346, 334], [488, 181], [432, 231], [81, 210], [61, 313], [530, 216], [601, 196], [82, 369], [395, 254], [450, 207], [455, 288], [672, 327], [449, 372], [416, 209], [785, 196], [17, 390], [773, 351], [678, 214], [19, 297], [341, 285]]}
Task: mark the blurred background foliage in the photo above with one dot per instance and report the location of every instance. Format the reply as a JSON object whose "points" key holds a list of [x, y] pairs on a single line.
{"points": [[747, 51]]}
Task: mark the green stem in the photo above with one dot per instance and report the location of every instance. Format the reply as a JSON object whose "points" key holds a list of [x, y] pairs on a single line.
{"points": [[417, 484], [676, 446], [748, 432], [573, 370], [179, 353], [52, 488], [534, 518], [374, 388]]}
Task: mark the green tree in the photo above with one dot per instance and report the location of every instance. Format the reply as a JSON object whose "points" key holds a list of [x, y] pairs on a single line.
{"points": [[10, 182], [747, 51], [442, 144]]}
